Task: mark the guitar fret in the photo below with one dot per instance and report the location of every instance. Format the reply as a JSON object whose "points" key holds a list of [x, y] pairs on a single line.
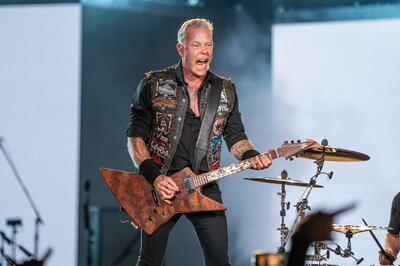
{"points": [[203, 179]]}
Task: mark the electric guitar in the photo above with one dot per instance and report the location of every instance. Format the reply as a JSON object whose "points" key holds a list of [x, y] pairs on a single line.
{"points": [[147, 210]]}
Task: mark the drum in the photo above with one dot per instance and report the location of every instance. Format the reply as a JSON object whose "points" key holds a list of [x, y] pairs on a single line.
{"points": [[262, 258]]}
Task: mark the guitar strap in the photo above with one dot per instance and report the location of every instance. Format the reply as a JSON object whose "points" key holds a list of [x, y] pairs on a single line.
{"points": [[208, 120]]}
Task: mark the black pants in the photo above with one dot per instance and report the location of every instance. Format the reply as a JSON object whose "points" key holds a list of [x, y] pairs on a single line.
{"points": [[210, 227]]}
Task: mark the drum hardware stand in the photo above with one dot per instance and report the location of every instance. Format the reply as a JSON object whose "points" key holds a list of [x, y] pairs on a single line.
{"points": [[284, 230], [38, 219], [318, 246], [338, 250], [302, 205], [347, 252]]}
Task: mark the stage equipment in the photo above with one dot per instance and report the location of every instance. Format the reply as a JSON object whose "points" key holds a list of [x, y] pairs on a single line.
{"points": [[38, 218]]}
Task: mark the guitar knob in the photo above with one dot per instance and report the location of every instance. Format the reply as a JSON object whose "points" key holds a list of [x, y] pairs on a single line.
{"points": [[155, 210], [150, 218]]}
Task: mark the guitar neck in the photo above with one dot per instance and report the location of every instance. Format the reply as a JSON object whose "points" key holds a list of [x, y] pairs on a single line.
{"points": [[203, 179]]}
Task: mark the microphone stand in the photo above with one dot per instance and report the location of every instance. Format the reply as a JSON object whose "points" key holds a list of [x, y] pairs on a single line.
{"points": [[1, 249], [12, 242], [38, 219]]}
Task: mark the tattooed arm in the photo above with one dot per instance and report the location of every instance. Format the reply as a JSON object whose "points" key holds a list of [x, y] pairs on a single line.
{"points": [[240, 147], [257, 161], [137, 150]]}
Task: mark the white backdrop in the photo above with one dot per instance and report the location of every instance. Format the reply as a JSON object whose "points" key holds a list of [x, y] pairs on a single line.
{"points": [[39, 121], [340, 81]]}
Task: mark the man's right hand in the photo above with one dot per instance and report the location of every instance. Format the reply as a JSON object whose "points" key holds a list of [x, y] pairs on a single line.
{"points": [[386, 259], [166, 187]]}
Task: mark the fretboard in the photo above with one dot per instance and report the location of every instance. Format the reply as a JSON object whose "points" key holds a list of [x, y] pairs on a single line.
{"points": [[203, 179]]}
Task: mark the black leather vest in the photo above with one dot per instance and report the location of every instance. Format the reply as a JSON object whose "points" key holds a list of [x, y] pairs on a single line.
{"points": [[169, 101]]}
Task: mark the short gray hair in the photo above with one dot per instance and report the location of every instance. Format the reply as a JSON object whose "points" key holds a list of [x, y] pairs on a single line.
{"points": [[193, 23]]}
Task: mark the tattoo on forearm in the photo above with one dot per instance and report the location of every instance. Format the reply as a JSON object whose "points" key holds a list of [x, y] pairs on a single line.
{"points": [[241, 147], [138, 150]]}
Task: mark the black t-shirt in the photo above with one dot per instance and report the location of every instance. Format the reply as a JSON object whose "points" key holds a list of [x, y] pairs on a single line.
{"points": [[395, 215]]}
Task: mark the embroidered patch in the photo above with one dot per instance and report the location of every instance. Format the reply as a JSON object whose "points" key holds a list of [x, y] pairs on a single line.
{"points": [[163, 122], [156, 158], [218, 125], [223, 103], [216, 142], [165, 102], [160, 147], [165, 88], [224, 97]]}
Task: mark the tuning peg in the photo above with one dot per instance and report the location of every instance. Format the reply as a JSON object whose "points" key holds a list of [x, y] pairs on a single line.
{"points": [[292, 141], [298, 141], [291, 158], [285, 142]]}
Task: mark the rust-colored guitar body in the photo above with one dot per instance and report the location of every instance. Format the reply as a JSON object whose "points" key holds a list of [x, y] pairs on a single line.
{"points": [[149, 212], [145, 207]]}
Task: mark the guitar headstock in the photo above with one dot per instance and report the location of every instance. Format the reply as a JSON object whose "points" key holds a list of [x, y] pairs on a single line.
{"points": [[293, 148]]}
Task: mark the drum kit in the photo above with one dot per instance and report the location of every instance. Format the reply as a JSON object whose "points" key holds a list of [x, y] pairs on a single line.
{"points": [[319, 155]]}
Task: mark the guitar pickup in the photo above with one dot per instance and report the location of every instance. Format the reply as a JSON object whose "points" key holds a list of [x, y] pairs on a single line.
{"points": [[188, 183], [155, 198]]}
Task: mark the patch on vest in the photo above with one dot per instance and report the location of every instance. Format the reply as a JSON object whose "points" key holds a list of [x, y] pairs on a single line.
{"points": [[216, 141], [159, 147], [164, 102], [163, 122], [223, 103], [218, 125], [166, 88]]}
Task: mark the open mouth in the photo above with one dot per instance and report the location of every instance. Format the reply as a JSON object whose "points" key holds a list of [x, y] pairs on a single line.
{"points": [[202, 62]]}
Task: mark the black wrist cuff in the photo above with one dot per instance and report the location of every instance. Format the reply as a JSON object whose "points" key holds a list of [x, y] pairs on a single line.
{"points": [[250, 153], [150, 170]]}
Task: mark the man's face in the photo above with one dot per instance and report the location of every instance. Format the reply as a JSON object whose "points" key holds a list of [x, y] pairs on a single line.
{"points": [[196, 51]]}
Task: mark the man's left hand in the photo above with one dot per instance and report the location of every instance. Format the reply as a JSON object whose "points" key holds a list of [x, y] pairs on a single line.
{"points": [[260, 162]]}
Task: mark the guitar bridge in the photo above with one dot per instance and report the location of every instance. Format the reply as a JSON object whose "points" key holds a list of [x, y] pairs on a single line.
{"points": [[188, 183]]}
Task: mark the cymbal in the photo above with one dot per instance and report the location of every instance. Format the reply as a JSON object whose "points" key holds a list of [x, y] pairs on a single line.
{"points": [[334, 154], [354, 229], [279, 180]]}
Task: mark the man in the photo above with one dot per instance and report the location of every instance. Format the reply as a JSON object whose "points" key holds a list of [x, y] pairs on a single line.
{"points": [[166, 117], [392, 238]]}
